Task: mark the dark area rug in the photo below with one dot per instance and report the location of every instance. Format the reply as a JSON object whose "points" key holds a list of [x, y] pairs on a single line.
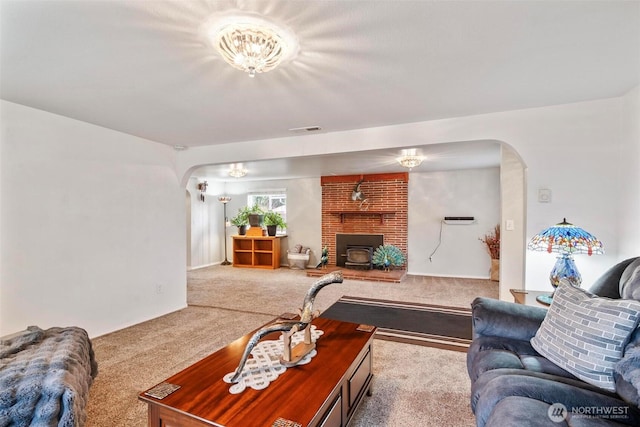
{"points": [[423, 324]]}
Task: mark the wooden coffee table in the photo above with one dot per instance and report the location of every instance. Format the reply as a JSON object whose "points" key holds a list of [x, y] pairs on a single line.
{"points": [[324, 392]]}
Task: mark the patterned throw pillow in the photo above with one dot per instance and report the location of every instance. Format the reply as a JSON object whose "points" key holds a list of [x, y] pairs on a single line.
{"points": [[585, 334]]}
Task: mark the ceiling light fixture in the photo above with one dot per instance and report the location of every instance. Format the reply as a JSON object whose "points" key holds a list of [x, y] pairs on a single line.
{"points": [[410, 158], [251, 43], [237, 170]]}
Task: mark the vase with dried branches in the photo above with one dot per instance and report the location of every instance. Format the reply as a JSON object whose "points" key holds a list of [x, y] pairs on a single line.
{"points": [[492, 242]]}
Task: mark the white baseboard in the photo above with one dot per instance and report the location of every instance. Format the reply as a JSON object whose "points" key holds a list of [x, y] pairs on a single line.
{"points": [[455, 276], [198, 267], [142, 320]]}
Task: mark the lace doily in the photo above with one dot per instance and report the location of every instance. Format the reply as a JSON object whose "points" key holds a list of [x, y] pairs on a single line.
{"points": [[264, 366]]}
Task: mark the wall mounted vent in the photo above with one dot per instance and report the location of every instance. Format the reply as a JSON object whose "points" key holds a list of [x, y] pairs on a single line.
{"points": [[459, 220]]}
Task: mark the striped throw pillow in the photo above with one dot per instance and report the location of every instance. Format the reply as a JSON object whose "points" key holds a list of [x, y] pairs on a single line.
{"points": [[585, 334]]}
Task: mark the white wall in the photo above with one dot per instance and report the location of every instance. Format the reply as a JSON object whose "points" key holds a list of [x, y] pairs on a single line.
{"points": [[304, 211], [513, 207], [92, 221], [571, 149], [304, 216], [206, 225], [431, 196], [629, 177], [92, 225], [434, 195]]}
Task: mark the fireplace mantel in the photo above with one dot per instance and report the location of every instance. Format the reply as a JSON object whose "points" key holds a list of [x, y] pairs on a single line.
{"points": [[380, 214], [386, 211]]}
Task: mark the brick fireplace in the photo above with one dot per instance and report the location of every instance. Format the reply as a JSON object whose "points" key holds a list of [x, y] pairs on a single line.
{"points": [[381, 209]]}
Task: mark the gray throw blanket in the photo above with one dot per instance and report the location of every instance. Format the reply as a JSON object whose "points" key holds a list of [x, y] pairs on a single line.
{"points": [[45, 377]]}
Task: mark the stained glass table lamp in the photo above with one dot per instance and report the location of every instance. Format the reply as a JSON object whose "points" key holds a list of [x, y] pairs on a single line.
{"points": [[565, 239]]}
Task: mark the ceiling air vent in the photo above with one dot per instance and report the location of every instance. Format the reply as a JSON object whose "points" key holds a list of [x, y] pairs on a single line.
{"points": [[306, 129]]}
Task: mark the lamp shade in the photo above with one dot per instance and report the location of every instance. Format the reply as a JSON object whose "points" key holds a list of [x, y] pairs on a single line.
{"points": [[565, 238]]}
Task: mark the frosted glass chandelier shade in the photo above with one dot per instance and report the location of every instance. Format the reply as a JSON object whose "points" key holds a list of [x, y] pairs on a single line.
{"points": [[250, 49], [237, 170], [251, 43], [410, 158]]}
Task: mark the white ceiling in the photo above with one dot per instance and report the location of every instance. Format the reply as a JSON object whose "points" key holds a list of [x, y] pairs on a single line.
{"points": [[145, 68], [437, 157]]}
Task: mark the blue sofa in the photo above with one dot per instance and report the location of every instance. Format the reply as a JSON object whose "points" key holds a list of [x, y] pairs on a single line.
{"points": [[512, 384]]}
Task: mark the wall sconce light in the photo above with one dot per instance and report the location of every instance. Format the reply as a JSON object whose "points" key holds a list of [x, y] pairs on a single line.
{"points": [[202, 187]]}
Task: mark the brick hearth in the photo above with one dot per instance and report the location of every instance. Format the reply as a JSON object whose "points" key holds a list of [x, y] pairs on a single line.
{"points": [[384, 212], [393, 276]]}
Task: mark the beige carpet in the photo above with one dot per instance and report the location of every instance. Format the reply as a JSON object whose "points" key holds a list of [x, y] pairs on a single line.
{"points": [[413, 385], [136, 358], [274, 291], [416, 386]]}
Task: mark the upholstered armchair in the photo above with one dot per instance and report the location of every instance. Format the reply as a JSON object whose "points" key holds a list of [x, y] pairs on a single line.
{"points": [[515, 384]]}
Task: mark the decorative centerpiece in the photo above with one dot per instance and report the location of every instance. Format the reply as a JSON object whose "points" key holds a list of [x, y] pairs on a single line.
{"points": [[492, 242], [324, 258], [358, 196], [252, 216], [291, 354], [387, 256]]}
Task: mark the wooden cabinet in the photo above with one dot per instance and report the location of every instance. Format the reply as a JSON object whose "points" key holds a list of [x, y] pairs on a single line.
{"points": [[323, 393], [256, 252]]}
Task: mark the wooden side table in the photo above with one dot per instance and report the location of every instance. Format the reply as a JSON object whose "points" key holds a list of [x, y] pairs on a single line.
{"points": [[522, 296], [257, 251]]}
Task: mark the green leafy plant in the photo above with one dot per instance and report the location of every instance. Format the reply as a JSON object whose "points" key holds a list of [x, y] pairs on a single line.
{"points": [[274, 218], [242, 217], [255, 215], [386, 256], [255, 209]]}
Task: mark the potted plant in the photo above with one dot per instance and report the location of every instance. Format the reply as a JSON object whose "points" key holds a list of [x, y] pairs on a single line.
{"points": [[273, 220], [492, 242], [241, 220], [255, 215]]}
